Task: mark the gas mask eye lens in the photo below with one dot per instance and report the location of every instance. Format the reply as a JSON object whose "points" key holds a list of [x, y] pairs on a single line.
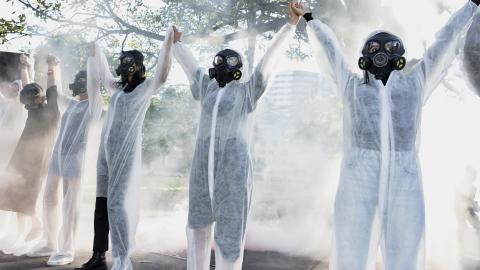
{"points": [[233, 61], [218, 60], [373, 47], [127, 60], [392, 46]]}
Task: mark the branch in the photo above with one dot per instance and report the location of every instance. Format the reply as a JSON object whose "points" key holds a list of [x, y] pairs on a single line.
{"points": [[131, 27], [260, 28], [127, 28]]}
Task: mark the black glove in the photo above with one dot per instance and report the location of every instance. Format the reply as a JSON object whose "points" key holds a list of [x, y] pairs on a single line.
{"points": [[477, 2], [308, 16]]}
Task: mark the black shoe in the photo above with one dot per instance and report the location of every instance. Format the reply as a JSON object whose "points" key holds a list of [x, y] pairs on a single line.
{"points": [[97, 262]]}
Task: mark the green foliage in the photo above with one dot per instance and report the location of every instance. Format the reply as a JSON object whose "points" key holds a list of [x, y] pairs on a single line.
{"points": [[18, 26], [170, 127], [13, 26]]}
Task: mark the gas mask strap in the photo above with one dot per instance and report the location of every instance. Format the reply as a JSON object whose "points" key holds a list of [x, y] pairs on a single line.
{"points": [[124, 40]]}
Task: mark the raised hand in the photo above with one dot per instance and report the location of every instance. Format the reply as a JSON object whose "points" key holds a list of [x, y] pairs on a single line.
{"points": [[294, 17], [298, 8], [24, 61], [52, 60], [177, 35]]}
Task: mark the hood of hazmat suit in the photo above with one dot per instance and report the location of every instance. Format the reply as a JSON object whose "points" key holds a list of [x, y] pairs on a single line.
{"points": [[221, 173], [380, 197], [68, 163], [119, 158]]}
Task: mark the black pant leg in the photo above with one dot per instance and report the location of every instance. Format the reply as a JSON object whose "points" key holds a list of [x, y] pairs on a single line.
{"points": [[101, 226]]}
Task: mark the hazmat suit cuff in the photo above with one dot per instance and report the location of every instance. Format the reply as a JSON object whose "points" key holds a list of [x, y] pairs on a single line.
{"points": [[308, 16]]}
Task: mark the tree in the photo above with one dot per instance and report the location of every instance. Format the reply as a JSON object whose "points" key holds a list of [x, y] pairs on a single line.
{"points": [[170, 128], [17, 26], [217, 22]]}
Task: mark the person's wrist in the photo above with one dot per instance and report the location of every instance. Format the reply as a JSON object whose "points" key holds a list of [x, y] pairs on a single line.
{"points": [[293, 21], [50, 70]]}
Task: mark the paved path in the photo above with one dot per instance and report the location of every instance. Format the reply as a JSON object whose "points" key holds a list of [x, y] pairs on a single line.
{"points": [[151, 261]]}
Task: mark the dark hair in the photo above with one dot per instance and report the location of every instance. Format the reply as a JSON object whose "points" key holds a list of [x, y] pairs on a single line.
{"points": [[31, 89], [81, 74], [138, 78]]}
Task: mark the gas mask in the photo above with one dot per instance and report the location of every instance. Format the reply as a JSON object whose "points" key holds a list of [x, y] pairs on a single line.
{"points": [[31, 96], [131, 64], [226, 67], [382, 54], [79, 85]]}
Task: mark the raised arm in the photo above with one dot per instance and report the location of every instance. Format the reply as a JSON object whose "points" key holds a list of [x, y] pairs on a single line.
{"points": [[327, 39], [264, 69], [196, 76], [54, 79], [164, 62], [95, 104], [104, 74], [25, 68], [433, 67], [53, 71]]}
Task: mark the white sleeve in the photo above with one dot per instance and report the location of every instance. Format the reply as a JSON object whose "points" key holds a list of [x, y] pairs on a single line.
{"points": [[431, 70], [95, 104], [264, 69], [328, 40], [101, 63], [164, 62], [196, 76], [186, 60]]}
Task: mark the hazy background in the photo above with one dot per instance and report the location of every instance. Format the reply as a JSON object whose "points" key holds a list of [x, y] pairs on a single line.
{"points": [[296, 143]]}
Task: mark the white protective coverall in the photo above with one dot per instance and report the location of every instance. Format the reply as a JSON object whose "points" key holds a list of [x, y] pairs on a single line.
{"points": [[67, 166], [119, 157], [380, 194], [221, 174]]}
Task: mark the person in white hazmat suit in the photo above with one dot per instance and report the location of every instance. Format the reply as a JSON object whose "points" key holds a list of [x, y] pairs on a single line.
{"points": [[221, 174], [119, 158], [67, 166], [380, 196]]}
